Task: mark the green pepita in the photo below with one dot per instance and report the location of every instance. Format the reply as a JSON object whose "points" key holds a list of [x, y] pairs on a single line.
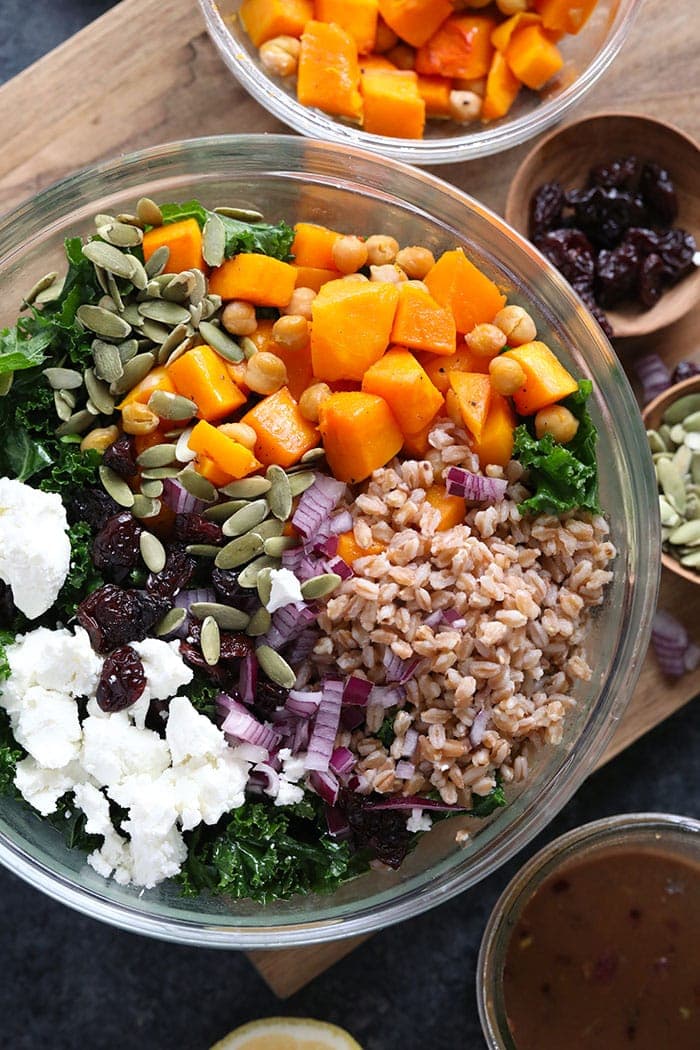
{"points": [[210, 641], [656, 443], [116, 487], [152, 552], [198, 287], [218, 340], [171, 406], [196, 315], [148, 212], [687, 534], [213, 240], [171, 341], [170, 622], [222, 511], [128, 350], [280, 495], [155, 332], [135, 370], [313, 455], [63, 378], [102, 322], [692, 440], [203, 550], [41, 285], [228, 618], [77, 424], [159, 473], [152, 488], [275, 545], [246, 518], [248, 347], [239, 551], [158, 261], [157, 456], [197, 486], [300, 482], [677, 433], [681, 408], [682, 458], [259, 623], [247, 488], [320, 586], [108, 362], [248, 576], [177, 288], [672, 484], [269, 529], [108, 258], [275, 667], [244, 214], [122, 234], [263, 585], [164, 312], [64, 410], [98, 392]]}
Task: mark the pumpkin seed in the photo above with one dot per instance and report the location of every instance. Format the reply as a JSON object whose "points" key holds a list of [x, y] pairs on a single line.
{"points": [[215, 301], [656, 443], [207, 308], [50, 294], [320, 586], [102, 219], [247, 488], [269, 529], [692, 508], [183, 347], [196, 315], [92, 407], [115, 294], [139, 277], [158, 473], [122, 234], [98, 393], [213, 240], [248, 576], [691, 561], [63, 378], [109, 258], [158, 261], [41, 285], [170, 622], [248, 347], [108, 362], [687, 534], [672, 484], [691, 421], [152, 552], [222, 511], [164, 312], [221, 342], [135, 370], [157, 456], [668, 515], [77, 424], [228, 618], [695, 468], [259, 623], [197, 486], [300, 482], [102, 322], [681, 408], [148, 212], [198, 286], [128, 219], [246, 518], [210, 641], [171, 406], [157, 333], [677, 433], [657, 456], [264, 586], [63, 410], [692, 441], [312, 455], [682, 458], [275, 667], [203, 550], [275, 545], [244, 214], [239, 551], [6, 381], [152, 487], [280, 495], [177, 289], [116, 487]]}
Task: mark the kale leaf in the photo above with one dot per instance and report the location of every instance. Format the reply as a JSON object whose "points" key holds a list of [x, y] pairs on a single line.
{"points": [[10, 751], [562, 477], [70, 820], [83, 578], [260, 238], [385, 734], [484, 805], [202, 694]]}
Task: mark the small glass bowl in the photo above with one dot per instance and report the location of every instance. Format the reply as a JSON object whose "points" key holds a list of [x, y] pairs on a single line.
{"points": [[678, 836], [586, 57]]}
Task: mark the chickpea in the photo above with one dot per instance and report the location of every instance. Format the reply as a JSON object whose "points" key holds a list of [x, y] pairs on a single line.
{"points": [[464, 106], [381, 249], [266, 373], [385, 39], [452, 407], [388, 274], [280, 56], [291, 332], [312, 399], [138, 419], [403, 56], [300, 303], [239, 318], [512, 7], [238, 371], [99, 439], [557, 421], [239, 432], [415, 261], [485, 340], [516, 324], [349, 254], [507, 375]]}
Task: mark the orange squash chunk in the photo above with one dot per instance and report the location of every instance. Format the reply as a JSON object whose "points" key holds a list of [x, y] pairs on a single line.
{"points": [[532, 57], [257, 279], [357, 17], [565, 16], [452, 508], [502, 87], [184, 241], [404, 385], [422, 323], [264, 19], [157, 379], [228, 455], [209, 470], [546, 379], [313, 246], [459, 286], [435, 92], [313, 276], [416, 445], [329, 73], [473, 391], [415, 21], [359, 434], [495, 444], [283, 433], [351, 327], [376, 63], [439, 369], [460, 48], [349, 549], [392, 104], [501, 36], [203, 376]]}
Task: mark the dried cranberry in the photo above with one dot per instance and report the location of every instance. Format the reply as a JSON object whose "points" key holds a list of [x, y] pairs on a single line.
{"points": [[228, 589], [93, 506], [112, 616], [269, 696], [122, 680], [605, 215], [676, 248], [179, 569], [617, 273], [546, 208], [115, 549], [193, 528], [684, 370], [233, 646], [659, 193], [572, 254], [223, 677], [651, 278], [8, 609], [381, 831], [621, 174], [120, 457]]}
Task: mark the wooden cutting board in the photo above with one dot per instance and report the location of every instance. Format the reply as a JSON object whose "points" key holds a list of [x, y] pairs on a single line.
{"points": [[146, 73]]}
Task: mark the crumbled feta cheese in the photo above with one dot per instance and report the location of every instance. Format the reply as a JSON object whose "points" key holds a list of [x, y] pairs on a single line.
{"points": [[95, 806], [48, 727], [34, 545], [154, 858], [285, 590], [293, 766], [191, 735], [288, 793], [60, 660], [163, 666], [418, 821], [113, 750], [41, 787]]}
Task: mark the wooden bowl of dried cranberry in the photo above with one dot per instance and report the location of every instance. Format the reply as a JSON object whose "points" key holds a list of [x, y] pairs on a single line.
{"points": [[612, 200]]}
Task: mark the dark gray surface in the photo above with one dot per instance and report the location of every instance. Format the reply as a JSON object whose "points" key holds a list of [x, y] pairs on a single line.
{"points": [[69, 982]]}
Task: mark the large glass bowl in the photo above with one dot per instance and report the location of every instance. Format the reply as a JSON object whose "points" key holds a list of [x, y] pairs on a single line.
{"points": [[294, 178], [586, 57]]}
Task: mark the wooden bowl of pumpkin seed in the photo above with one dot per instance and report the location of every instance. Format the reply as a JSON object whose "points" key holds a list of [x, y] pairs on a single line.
{"points": [[672, 421]]}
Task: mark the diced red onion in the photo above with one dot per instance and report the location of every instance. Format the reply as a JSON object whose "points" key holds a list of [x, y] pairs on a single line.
{"points": [[316, 504], [414, 802], [303, 704], [387, 696], [358, 783], [653, 375], [225, 702], [341, 522], [184, 599], [454, 619], [356, 691], [248, 677], [337, 823], [461, 482], [302, 646], [327, 545], [240, 723], [287, 623], [478, 727], [410, 743], [340, 567], [434, 619], [292, 558], [351, 717], [273, 779], [692, 657], [325, 726], [396, 669], [326, 785], [342, 760], [176, 496], [671, 643], [404, 770], [300, 740]]}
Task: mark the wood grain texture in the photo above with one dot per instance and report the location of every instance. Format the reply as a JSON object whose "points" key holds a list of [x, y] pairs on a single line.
{"points": [[146, 73]]}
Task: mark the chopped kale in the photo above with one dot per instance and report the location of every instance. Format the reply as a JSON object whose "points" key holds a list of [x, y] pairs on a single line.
{"points": [[484, 805], [83, 578], [385, 734]]}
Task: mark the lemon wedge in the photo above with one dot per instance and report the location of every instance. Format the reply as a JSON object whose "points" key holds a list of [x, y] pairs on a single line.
{"points": [[288, 1033]]}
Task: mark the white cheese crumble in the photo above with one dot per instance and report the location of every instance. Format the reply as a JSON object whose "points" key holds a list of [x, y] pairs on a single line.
{"points": [[34, 545], [418, 821], [285, 590]]}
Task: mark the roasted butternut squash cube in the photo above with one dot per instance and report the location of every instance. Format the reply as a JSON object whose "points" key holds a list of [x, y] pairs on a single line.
{"points": [[502, 87], [460, 48], [184, 242], [565, 16], [157, 379], [360, 434], [257, 279], [404, 385], [439, 369], [422, 324], [283, 433], [495, 443], [435, 92], [452, 509], [546, 379], [313, 246], [459, 286], [473, 390], [329, 73], [392, 104], [351, 324], [532, 57], [229, 456], [264, 19], [357, 17], [415, 21], [203, 376]]}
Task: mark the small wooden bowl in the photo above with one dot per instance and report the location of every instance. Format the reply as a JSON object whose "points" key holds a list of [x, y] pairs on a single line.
{"points": [[652, 415], [566, 156]]}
